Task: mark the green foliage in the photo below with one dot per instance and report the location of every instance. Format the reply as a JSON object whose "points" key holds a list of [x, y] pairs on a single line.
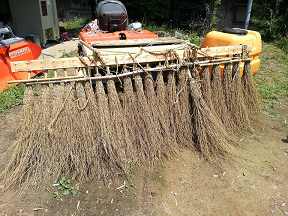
{"points": [[50, 74], [11, 97], [152, 26], [74, 23], [186, 34], [209, 21], [66, 55], [272, 18], [64, 185], [154, 10], [282, 44], [214, 19], [158, 11]]}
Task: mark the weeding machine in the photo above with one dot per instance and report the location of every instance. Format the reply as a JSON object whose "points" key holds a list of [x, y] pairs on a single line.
{"points": [[112, 24], [13, 48], [101, 130]]}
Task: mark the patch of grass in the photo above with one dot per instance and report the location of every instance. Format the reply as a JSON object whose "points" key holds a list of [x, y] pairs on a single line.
{"points": [[74, 26], [178, 33], [50, 74], [11, 97], [282, 44], [74, 23], [64, 185], [272, 77], [153, 27], [67, 55]]}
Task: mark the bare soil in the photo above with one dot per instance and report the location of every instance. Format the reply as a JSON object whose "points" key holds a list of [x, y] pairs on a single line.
{"points": [[252, 182]]}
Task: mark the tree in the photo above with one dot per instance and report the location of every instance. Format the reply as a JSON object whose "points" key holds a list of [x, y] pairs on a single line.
{"points": [[272, 18]]}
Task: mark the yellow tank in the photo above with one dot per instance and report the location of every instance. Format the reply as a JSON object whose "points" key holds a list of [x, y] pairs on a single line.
{"points": [[235, 37]]}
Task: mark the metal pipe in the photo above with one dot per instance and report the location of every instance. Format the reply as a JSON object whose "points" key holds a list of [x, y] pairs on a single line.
{"points": [[248, 13]]}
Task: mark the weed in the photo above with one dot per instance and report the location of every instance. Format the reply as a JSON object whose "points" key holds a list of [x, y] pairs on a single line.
{"points": [[174, 32], [36, 91], [257, 138], [11, 97], [74, 23], [132, 185], [50, 74], [130, 161], [283, 44], [65, 54], [73, 26], [64, 185], [153, 27]]}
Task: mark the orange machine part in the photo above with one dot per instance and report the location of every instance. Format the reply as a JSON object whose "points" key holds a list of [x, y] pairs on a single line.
{"points": [[216, 38], [89, 36], [19, 51]]}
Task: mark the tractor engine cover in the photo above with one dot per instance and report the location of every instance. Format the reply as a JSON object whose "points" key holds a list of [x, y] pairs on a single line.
{"points": [[112, 15]]}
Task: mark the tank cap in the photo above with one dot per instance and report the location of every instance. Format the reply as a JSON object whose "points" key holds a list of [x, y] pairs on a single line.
{"points": [[235, 31]]}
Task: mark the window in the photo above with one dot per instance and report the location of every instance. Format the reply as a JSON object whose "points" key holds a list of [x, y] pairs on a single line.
{"points": [[240, 15], [44, 8]]}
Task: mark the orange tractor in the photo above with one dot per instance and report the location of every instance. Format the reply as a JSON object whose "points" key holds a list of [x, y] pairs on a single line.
{"points": [[112, 25], [13, 48]]}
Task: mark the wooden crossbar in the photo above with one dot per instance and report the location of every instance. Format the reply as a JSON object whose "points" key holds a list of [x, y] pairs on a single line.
{"points": [[136, 42], [158, 68], [113, 59]]}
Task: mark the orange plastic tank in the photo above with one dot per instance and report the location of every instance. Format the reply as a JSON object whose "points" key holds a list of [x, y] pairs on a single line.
{"points": [[235, 37]]}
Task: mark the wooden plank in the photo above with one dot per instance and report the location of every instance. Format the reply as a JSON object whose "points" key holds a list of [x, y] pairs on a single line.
{"points": [[136, 42], [120, 59], [124, 50], [147, 69], [117, 51], [210, 51], [139, 57], [48, 64], [225, 50], [22, 66]]}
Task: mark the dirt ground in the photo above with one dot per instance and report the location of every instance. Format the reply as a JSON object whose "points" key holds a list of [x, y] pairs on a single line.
{"points": [[57, 50], [254, 182]]}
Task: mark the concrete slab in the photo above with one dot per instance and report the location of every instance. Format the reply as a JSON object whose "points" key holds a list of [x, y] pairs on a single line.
{"points": [[55, 50]]}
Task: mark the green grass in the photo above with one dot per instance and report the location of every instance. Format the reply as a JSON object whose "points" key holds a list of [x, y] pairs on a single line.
{"points": [[74, 23], [11, 97], [272, 77], [152, 27], [67, 54], [186, 34], [282, 44], [73, 26]]}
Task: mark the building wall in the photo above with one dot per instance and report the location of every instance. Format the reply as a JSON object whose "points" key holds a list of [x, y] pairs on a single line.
{"points": [[232, 14]]}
